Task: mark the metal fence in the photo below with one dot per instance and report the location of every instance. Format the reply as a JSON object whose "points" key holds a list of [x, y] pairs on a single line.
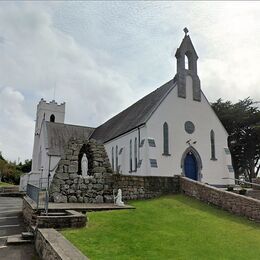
{"points": [[38, 191], [33, 192]]}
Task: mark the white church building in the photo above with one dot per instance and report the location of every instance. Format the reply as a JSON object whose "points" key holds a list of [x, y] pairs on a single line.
{"points": [[171, 131]]}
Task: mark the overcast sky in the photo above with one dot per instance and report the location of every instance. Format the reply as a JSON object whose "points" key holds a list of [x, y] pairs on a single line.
{"points": [[100, 57]]}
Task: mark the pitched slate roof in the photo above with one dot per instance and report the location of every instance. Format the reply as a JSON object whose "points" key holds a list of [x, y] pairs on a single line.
{"points": [[59, 134], [134, 116]]}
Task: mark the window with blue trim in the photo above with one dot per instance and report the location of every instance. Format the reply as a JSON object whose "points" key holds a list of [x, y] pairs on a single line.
{"points": [[130, 157], [135, 152], [112, 156], [212, 143], [165, 139], [117, 158]]}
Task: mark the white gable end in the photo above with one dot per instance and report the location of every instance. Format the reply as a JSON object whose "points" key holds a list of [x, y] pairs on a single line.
{"points": [[176, 111]]}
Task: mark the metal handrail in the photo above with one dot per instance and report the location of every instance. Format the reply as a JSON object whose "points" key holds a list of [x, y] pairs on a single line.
{"points": [[33, 192], [247, 182]]}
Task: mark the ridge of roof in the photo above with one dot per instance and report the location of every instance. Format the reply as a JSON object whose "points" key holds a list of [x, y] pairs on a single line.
{"points": [[133, 116]]}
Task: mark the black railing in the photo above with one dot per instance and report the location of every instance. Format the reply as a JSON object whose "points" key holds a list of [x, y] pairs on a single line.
{"points": [[33, 192], [240, 181]]}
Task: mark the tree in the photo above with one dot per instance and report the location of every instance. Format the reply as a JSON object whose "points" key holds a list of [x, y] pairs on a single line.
{"points": [[242, 122], [25, 167], [10, 172]]}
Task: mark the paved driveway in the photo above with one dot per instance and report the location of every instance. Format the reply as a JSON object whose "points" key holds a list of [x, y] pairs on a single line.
{"points": [[11, 223]]}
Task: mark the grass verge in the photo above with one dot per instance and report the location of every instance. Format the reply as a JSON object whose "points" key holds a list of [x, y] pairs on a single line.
{"points": [[171, 227]]}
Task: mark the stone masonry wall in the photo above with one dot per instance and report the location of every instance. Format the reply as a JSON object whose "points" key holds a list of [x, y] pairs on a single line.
{"points": [[71, 219], [29, 213], [52, 245], [69, 186], [232, 202], [146, 187]]}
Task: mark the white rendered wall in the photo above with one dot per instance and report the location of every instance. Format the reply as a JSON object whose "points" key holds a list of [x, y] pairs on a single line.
{"points": [[176, 111], [40, 158], [124, 158]]}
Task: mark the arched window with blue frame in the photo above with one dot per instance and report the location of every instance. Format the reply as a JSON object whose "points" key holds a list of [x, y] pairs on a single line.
{"points": [[165, 139], [130, 157], [135, 152], [116, 158], [112, 157], [212, 144]]}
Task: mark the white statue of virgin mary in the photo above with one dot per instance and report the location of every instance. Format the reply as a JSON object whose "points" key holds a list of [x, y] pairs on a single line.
{"points": [[84, 165], [118, 198]]}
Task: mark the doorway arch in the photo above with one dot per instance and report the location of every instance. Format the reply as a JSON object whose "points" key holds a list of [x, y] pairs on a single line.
{"points": [[191, 164]]}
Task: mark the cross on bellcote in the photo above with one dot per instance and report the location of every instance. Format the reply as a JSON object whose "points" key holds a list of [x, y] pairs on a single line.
{"points": [[186, 31]]}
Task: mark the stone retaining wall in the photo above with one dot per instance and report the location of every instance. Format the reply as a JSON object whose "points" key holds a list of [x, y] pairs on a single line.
{"points": [[51, 245], [29, 213], [145, 187], [232, 202], [101, 187], [72, 219]]}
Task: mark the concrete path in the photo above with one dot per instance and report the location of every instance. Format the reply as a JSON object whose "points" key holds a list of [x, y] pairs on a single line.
{"points": [[78, 206], [11, 223]]}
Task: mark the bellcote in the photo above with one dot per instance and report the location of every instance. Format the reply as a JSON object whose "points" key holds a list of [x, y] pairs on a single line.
{"points": [[187, 65]]}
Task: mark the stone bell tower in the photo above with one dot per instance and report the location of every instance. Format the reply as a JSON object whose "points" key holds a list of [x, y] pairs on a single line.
{"points": [[186, 52]]}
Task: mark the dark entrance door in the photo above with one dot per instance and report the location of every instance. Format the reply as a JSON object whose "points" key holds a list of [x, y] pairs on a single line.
{"points": [[190, 166]]}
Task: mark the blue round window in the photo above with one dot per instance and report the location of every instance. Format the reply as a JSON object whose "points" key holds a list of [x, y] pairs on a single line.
{"points": [[189, 127]]}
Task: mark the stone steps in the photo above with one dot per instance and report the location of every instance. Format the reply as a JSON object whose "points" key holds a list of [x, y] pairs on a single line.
{"points": [[16, 240], [12, 194]]}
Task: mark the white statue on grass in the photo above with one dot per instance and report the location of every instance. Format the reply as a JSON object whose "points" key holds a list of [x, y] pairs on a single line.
{"points": [[118, 198], [84, 166]]}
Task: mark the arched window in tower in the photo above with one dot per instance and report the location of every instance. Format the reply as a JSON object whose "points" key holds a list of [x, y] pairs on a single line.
{"points": [[112, 157], [165, 139], [116, 158], [212, 142], [135, 154], [52, 118], [130, 157]]}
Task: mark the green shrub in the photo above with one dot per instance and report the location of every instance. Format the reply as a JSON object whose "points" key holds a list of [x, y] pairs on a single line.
{"points": [[242, 191], [230, 188]]}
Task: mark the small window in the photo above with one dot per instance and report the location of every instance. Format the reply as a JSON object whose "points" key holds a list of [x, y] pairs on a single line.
{"points": [[227, 151], [165, 139], [153, 163], [130, 157], [117, 158], [230, 168], [212, 142], [139, 163], [135, 152], [113, 160], [151, 143], [52, 118], [142, 143]]}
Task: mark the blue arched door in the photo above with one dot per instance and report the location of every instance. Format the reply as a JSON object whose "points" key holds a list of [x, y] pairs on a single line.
{"points": [[190, 166]]}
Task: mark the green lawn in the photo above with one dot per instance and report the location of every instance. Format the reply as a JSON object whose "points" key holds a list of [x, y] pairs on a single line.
{"points": [[172, 227], [5, 184]]}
